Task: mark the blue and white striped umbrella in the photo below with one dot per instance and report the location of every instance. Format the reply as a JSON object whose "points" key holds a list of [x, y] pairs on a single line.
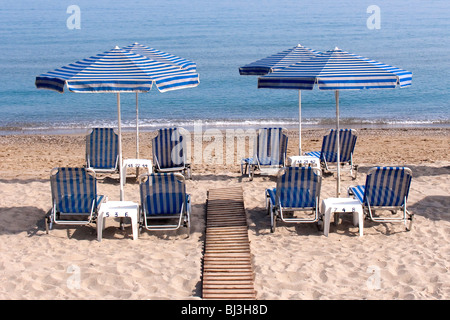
{"points": [[162, 56], [159, 56], [277, 62], [117, 71], [337, 70]]}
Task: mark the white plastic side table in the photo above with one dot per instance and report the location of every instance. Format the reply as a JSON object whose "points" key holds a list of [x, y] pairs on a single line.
{"points": [[304, 161], [118, 209], [342, 205], [136, 163]]}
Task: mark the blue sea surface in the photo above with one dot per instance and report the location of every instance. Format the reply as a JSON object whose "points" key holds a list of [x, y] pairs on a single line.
{"points": [[221, 36]]}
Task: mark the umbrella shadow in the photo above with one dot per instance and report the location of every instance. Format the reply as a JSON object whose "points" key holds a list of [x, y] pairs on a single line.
{"points": [[434, 208], [23, 181], [259, 223], [417, 170], [213, 177], [197, 219], [15, 220], [258, 178], [110, 180]]}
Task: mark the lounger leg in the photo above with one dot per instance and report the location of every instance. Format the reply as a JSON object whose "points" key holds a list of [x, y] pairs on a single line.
{"points": [[187, 172], [409, 217], [187, 218], [354, 171], [47, 224], [244, 168], [273, 219], [320, 223], [187, 224]]}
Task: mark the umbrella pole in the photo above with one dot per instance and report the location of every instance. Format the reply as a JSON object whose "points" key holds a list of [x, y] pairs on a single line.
{"points": [[299, 122], [137, 135], [120, 147], [338, 183]]}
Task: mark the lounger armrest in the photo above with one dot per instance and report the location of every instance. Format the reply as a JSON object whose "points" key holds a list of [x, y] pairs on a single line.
{"points": [[188, 203]]}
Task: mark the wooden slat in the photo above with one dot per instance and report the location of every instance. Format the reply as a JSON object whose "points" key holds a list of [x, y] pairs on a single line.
{"points": [[227, 264]]}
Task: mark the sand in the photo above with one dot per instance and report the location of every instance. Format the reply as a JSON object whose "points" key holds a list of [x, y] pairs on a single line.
{"points": [[296, 262]]}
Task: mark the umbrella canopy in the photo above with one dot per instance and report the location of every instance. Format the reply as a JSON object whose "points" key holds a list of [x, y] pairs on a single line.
{"points": [[117, 71], [337, 70], [164, 57], [278, 62]]}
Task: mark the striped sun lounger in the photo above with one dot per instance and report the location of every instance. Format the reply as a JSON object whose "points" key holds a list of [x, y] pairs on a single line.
{"points": [[169, 152], [328, 152], [386, 188], [298, 189], [102, 151], [74, 197], [270, 152], [165, 205]]}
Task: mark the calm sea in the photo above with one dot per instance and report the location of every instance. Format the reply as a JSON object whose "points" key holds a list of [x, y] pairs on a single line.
{"points": [[221, 36]]}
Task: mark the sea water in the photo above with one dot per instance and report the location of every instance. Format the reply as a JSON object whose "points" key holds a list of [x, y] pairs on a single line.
{"points": [[220, 36]]}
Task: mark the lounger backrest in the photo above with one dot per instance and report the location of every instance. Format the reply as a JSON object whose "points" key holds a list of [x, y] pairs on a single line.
{"points": [[73, 190], [163, 193], [298, 187], [347, 145], [102, 148], [271, 145], [169, 148], [387, 186]]}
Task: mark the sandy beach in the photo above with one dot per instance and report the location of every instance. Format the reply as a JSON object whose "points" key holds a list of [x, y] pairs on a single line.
{"points": [[296, 262]]}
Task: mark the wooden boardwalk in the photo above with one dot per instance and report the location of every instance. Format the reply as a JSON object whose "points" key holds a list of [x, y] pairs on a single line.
{"points": [[227, 264]]}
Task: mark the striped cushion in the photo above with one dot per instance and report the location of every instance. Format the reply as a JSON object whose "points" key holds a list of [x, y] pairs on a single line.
{"points": [[169, 148], [316, 154], [163, 193], [328, 152], [387, 186], [358, 191], [271, 146], [102, 148], [73, 190], [298, 187], [75, 204]]}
